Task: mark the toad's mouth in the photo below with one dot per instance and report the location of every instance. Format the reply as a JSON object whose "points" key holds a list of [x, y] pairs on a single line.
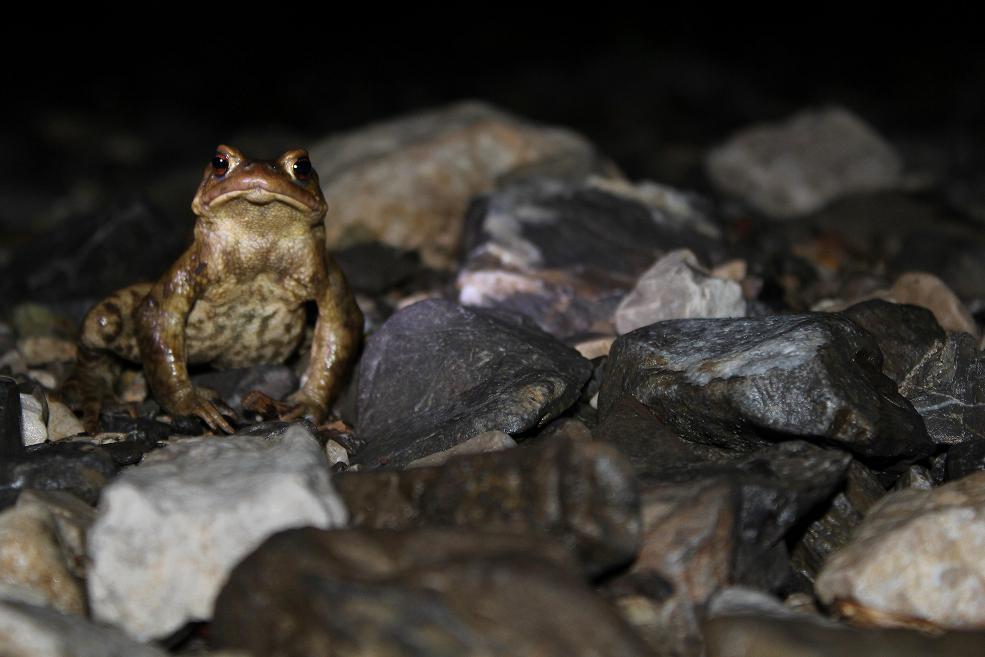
{"points": [[261, 196]]}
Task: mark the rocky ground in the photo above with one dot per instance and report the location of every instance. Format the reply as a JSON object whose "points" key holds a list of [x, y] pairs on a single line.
{"points": [[594, 415]]}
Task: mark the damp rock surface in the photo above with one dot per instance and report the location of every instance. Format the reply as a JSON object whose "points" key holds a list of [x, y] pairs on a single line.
{"points": [[170, 529], [437, 374]]}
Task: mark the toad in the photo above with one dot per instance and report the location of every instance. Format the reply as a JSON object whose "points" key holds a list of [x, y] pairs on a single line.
{"points": [[235, 298]]}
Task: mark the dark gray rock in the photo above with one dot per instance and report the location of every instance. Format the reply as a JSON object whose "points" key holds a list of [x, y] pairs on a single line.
{"points": [[564, 254], [274, 380], [746, 383], [11, 442], [947, 388], [964, 459], [436, 374], [833, 529], [93, 255], [78, 468], [375, 267], [906, 334], [424, 593], [582, 493]]}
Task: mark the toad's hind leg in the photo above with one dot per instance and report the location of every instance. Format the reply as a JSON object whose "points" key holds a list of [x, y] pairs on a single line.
{"points": [[108, 335]]}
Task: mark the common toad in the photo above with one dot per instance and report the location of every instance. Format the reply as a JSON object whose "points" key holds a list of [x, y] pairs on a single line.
{"points": [[235, 298]]}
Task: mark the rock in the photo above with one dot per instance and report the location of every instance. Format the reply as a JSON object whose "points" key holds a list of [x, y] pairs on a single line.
{"points": [[170, 529], [62, 422], [539, 248], [678, 287], [832, 530], [915, 476], [964, 459], [407, 182], [928, 291], [436, 374], [915, 561], [358, 593], [77, 468], [71, 264], [274, 380], [71, 518], [30, 558], [741, 384], [906, 334], [747, 634], [947, 388], [795, 167], [953, 253], [35, 431], [41, 350], [375, 268], [32, 631], [336, 453], [11, 436], [592, 348], [489, 441], [581, 493]]}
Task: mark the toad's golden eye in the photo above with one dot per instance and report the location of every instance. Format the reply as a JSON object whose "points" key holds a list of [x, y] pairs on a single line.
{"points": [[220, 164], [302, 168]]}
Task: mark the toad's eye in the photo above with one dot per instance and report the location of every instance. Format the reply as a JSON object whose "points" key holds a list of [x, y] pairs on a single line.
{"points": [[302, 168], [220, 164]]}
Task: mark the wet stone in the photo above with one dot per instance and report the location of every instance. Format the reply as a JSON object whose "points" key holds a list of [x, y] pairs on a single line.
{"points": [[436, 374], [740, 384], [77, 468], [964, 459], [350, 593], [583, 494], [539, 248]]}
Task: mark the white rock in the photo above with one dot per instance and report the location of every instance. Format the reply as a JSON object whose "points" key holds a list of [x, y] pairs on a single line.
{"points": [[170, 529], [917, 559], [62, 422], [796, 166], [33, 428], [677, 287], [31, 631], [487, 441], [336, 453], [31, 559]]}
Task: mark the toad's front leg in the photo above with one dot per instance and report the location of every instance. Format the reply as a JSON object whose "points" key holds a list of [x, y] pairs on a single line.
{"points": [[338, 335], [161, 320]]}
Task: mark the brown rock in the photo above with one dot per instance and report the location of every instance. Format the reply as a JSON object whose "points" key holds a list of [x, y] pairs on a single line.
{"points": [[409, 181], [582, 493], [349, 593]]}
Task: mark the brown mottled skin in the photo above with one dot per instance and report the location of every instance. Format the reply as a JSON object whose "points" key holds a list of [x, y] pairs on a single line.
{"points": [[236, 296]]}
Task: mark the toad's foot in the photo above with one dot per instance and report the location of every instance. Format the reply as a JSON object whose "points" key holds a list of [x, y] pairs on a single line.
{"points": [[300, 405], [205, 405]]}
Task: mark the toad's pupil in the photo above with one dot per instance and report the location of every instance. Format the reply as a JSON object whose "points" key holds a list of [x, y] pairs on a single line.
{"points": [[220, 164], [302, 168]]}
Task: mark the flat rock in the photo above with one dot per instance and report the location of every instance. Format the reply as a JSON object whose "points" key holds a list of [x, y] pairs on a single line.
{"points": [[351, 593], [795, 167], [32, 631], [564, 254], [917, 560], [436, 374], [170, 529], [407, 182], [78, 468], [31, 559], [581, 493], [678, 287], [489, 441], [741, 384]]}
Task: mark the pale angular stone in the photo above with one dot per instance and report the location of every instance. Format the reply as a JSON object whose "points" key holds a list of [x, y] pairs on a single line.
{"points": [[796, 166], [487, 441], [33, 631], [31, 559], [33, 428], [678, 287], [62, 422], [408, 182], [71, 518], [917, 560], [170, 529]]}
